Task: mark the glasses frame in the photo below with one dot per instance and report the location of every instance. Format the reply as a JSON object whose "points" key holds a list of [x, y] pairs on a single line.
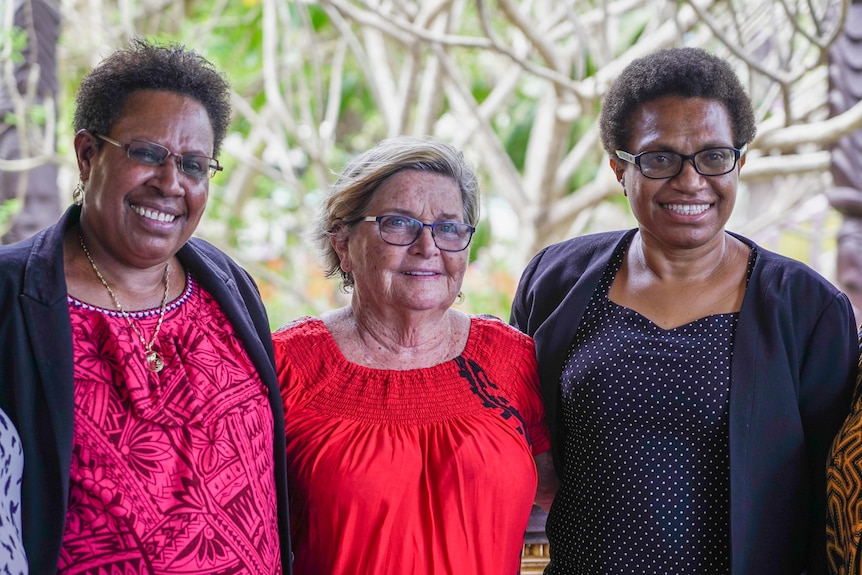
{"points": [[423, 225], [636, 160], [213, 165]]}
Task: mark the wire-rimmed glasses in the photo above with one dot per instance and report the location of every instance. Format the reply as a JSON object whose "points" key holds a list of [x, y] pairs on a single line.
{"points": [[403, 231], [661, 165], [196, 166]]}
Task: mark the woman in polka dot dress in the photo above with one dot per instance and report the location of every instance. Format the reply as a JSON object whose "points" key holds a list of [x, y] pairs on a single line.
{"points": [[693, 381]]}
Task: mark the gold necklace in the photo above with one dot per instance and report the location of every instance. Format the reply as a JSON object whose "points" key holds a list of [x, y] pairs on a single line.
{"points": [[155, 362]]}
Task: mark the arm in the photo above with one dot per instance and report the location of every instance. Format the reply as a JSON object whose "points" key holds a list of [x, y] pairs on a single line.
{"points": [[826, 383], [547, 488]]}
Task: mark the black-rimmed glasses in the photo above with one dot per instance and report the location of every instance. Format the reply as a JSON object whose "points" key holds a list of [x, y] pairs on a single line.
{"points": [[196, 166], [404, 230], [662, 165]]}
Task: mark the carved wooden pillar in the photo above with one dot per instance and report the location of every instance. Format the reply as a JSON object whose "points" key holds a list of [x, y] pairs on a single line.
{"points": [[845, 89], [40, 20]]}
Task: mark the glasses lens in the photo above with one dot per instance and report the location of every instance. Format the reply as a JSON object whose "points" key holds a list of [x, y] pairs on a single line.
{"points": [[660, 164], [399, 230], [404, 230], [196, 166], [147, 152], [715, 161], [452, 236]]}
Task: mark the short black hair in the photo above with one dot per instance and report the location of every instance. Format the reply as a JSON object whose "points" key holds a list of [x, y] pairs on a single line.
{"points": [[104, 90], [684, 72]]}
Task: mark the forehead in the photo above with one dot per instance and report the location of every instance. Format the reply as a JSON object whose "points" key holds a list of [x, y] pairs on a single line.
{"points": [[176, 121], [682, 124], [417, 190]]}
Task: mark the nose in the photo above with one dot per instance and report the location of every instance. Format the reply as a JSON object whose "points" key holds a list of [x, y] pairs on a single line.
{"points": [[425, 243], [688, 173], [168, 176]]}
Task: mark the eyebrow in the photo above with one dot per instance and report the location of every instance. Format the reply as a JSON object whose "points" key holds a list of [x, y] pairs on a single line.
{"points": [[447, 217]]}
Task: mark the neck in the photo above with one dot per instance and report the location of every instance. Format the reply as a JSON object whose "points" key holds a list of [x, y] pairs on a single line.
{"points": [[93, 275], [404, 333], [681, 264], [369, 340]]}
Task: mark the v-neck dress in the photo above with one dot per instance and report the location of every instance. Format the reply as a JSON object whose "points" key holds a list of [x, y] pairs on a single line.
{"points": [[647, 427], [421, 471]]}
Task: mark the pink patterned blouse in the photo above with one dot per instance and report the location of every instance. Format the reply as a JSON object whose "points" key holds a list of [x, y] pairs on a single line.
{"points": [[172, 472]]}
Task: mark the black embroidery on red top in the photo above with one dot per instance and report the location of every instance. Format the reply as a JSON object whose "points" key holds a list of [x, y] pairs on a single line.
{"points": [[485, 389]]}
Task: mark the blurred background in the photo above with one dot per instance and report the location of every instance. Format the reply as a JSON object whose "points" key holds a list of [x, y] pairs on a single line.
{"points": [[516, 84]]}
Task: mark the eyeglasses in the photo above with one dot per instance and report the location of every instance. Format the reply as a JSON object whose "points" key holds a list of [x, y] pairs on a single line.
{"points": [[663, 165], [195, 166], [404, 230]]}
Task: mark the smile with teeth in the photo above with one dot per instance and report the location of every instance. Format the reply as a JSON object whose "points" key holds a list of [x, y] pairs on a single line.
{"points": [[420, 273], [686, 209], [153, 215]]}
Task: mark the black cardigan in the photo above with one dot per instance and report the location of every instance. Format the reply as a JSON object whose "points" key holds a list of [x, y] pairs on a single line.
{"points": [[792, 376], [36, 373]]}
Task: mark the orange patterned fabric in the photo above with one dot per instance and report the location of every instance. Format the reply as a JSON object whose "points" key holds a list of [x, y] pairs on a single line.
{"points": [[844, 491]]}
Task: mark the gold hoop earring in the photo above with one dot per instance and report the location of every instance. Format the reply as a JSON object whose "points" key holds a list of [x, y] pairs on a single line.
{"points": [[460, 298]]}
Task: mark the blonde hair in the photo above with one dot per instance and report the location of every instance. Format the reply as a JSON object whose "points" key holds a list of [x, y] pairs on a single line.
{"points": [[352, 192]]}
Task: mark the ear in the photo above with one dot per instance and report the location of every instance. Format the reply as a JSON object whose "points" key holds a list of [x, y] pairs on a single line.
{"points": [[339, 240], [619, 168], [85, 148]]}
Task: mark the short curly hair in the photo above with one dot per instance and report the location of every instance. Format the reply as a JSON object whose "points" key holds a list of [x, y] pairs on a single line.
{"points": [[104, 90], [352, 192], [684, 72]]}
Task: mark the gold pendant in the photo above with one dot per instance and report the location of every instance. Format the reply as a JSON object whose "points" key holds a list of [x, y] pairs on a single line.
{"points": [[155, 363]]}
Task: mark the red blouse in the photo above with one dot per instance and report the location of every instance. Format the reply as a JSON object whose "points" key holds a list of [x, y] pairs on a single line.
{"points": [[172, 472], [423, 471]]}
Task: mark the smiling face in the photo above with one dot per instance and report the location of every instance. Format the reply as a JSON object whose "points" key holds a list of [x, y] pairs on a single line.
{"points": [[689, 210], [417, 277], [135, 214]]}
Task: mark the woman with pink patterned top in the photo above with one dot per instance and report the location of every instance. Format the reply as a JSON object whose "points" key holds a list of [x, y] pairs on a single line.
{"points": [[137, 361], [416, 437]]}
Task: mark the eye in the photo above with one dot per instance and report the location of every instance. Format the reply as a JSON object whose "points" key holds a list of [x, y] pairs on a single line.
{"points": [[147, 153], [195, 165], [398, 223], [660, 158], [715, 157], [449, 228]]}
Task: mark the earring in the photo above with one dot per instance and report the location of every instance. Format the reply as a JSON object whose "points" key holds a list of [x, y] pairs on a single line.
{"points": [[460, 298], [78, 193]]}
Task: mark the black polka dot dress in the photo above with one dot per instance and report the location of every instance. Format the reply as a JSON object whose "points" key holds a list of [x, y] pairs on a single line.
{"points": [[646, 488]]}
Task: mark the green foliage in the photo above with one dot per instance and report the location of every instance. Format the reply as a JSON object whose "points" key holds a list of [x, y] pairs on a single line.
{"points": [[36, 114], [516, 135], [8, 210], [14, 42]]}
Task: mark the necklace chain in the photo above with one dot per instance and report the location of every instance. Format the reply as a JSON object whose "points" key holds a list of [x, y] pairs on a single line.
{"points": [[155, 363]]}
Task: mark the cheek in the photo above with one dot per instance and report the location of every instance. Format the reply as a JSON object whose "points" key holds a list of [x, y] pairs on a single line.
{"points": [[197, 199], [365, 261], [456, 265]]}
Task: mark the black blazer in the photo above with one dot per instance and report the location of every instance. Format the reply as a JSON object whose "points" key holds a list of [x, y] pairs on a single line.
{"points": [[36, 373], [792, 376]]}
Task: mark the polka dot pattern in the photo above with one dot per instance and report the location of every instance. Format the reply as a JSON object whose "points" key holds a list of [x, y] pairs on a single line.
{"points": [[646, 487]]}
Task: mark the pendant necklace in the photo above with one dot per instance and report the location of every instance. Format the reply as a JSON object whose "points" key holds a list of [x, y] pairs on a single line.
{"points": [[155, 362]]}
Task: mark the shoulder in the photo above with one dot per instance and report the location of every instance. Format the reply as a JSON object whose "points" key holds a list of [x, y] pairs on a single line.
{"points": [[298, 330], [555, 270], [782, 277], [498, 336], [204, 254], [583, 247], [213, 267]]}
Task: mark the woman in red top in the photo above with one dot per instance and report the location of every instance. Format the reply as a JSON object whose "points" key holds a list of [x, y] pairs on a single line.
{"points": [[412, 427]]}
